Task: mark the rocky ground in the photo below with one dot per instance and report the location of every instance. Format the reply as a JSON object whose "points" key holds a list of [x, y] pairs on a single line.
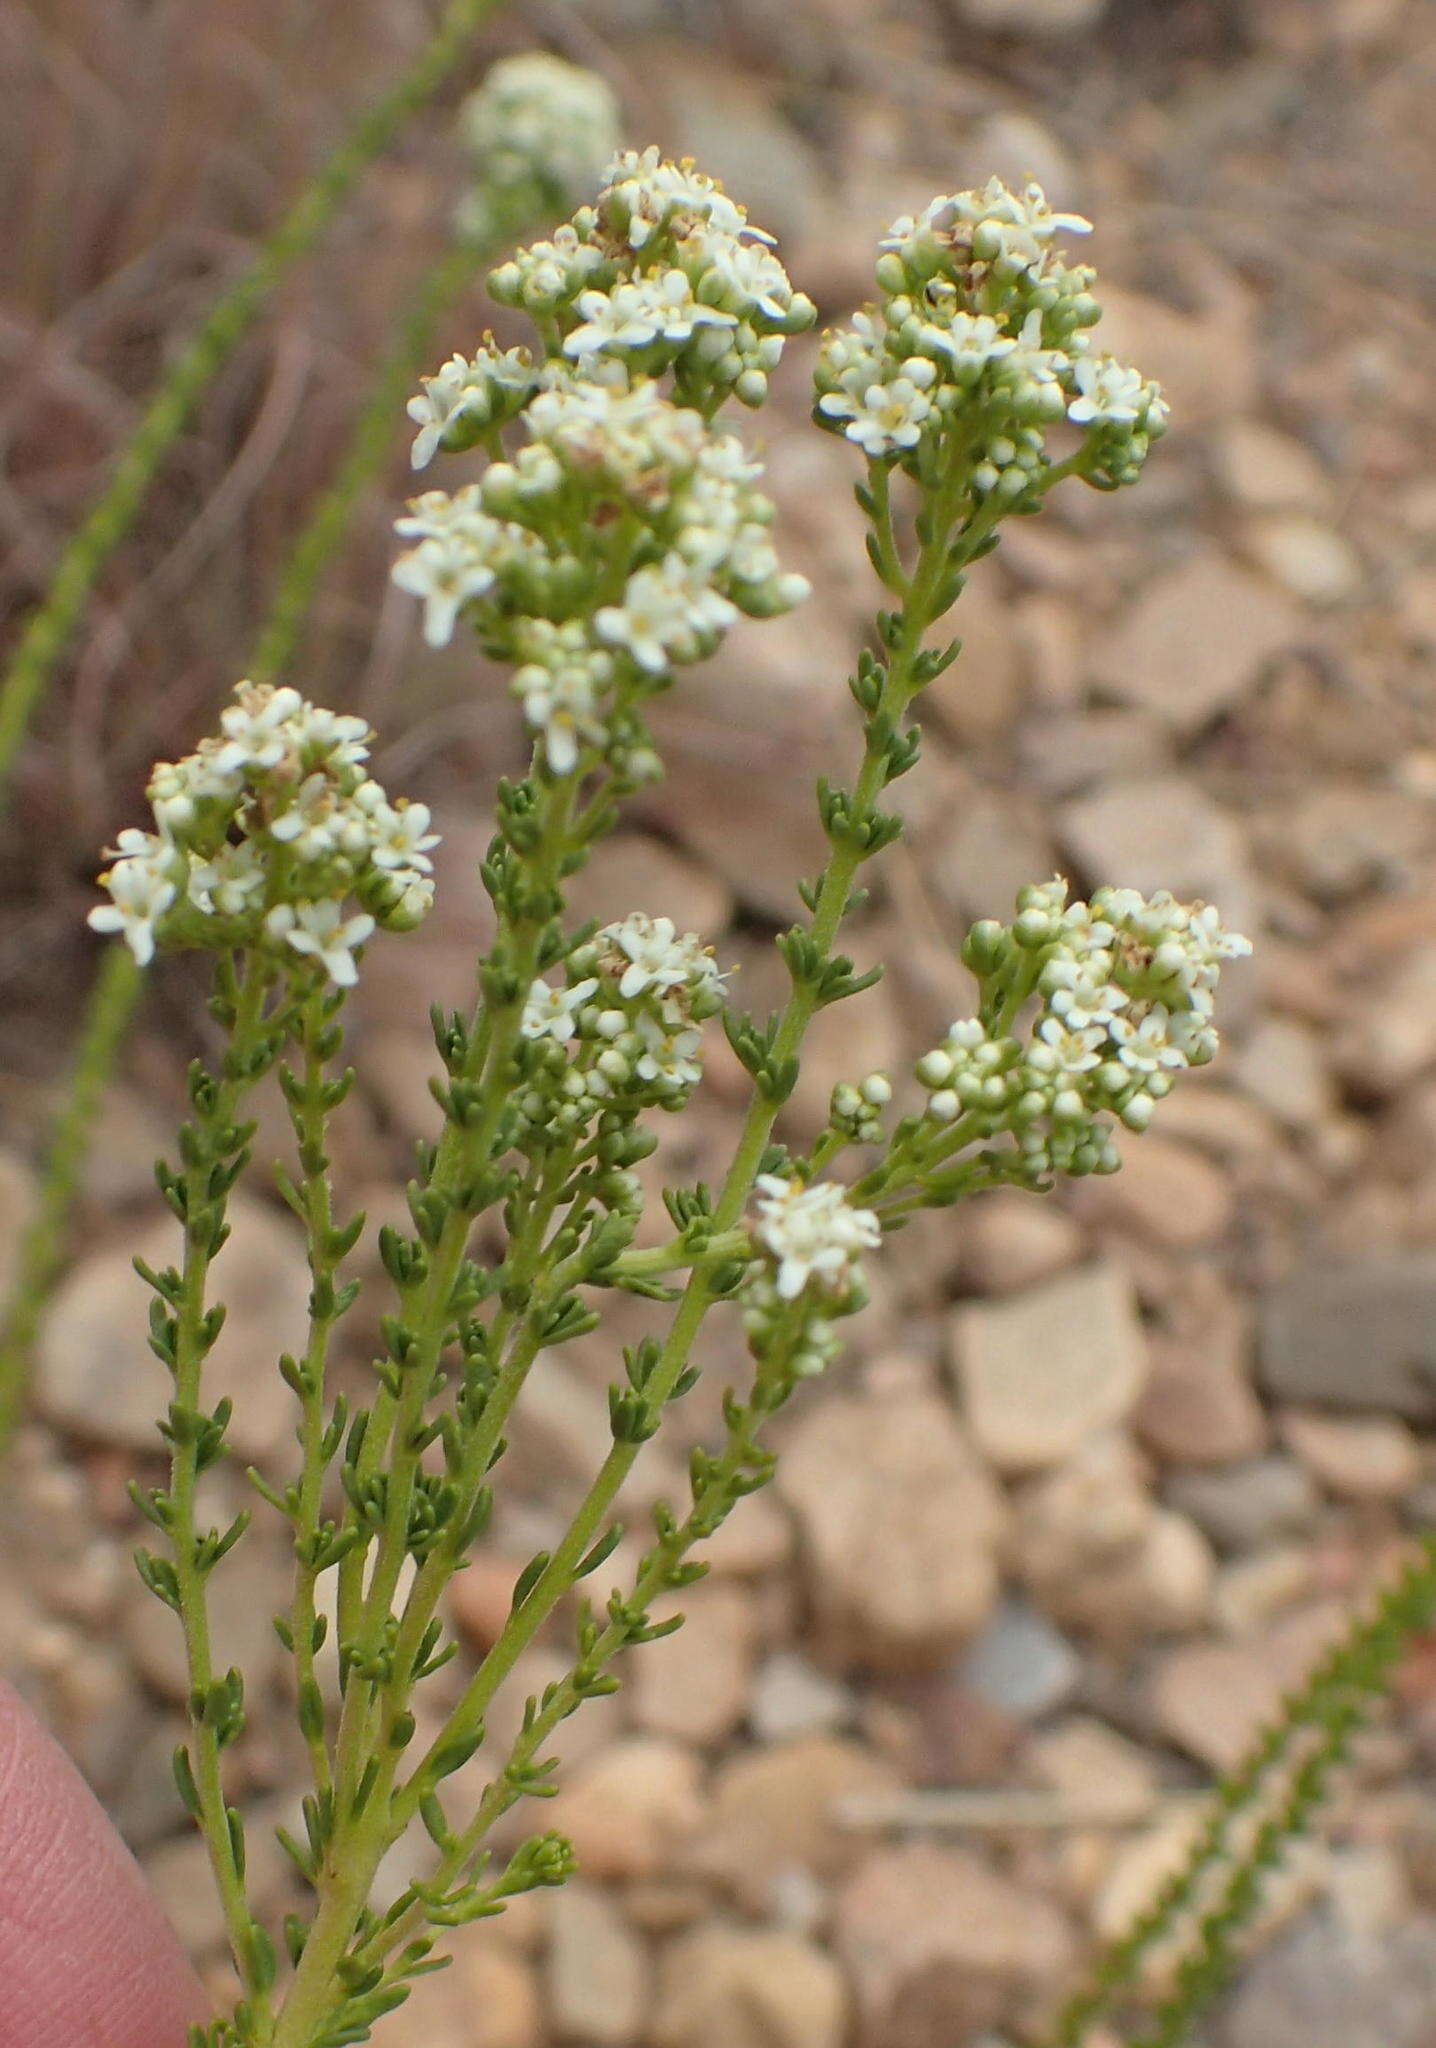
{"points": [[1102, 1473]]}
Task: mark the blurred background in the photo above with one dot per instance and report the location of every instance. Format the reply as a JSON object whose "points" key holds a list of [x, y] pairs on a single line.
{"points": [[1102, 1473]]}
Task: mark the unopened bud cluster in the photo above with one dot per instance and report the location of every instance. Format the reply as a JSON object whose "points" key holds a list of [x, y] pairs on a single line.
{"points": [[263, 835], [982, 332], [625, 1032], [1124, 990]]}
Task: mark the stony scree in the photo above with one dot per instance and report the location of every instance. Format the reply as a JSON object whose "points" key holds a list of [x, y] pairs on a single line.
{"points": [[1354, 1336], [1042, 1371], [899, 1523]]}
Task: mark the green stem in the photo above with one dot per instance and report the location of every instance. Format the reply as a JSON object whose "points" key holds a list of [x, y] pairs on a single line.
{"points": [[309, 1112], [190, 1347], [359, 1839], [48, 631], [934, 567]]}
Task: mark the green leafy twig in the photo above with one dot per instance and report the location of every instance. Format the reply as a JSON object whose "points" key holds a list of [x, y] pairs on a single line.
{"points": [[1298, 1751]]}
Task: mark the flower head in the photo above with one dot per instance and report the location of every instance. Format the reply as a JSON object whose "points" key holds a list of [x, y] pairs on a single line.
{"points": [[813, 1234]]}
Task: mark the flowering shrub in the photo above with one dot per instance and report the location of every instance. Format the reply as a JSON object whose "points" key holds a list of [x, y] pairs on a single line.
{"points": [[615, 534]]}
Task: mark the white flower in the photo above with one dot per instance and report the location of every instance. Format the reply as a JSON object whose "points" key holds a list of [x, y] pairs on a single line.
{"points": [[447, 574], [658, 956], [969, 342], [254, 729], [562, 703], [322, 931], [1065, 1049], [1087, 1002], [228, 885], [141, 891], [634, 314], [402, 838], [884, 418], [666, 610], [1146, 1047], [753, 275], [549, 1012], [1109, 393], [669, 1058], [813, 1233], [652, 190], [466, 388]]}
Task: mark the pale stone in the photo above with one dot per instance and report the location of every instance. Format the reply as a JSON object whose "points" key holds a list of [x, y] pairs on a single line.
{"points": [[98, 1377], [756, 1541], [1167, 1192], [1206, 363], [693, 1686], [900, 1525], [1198, 1406], [1033, 17], [1331, 1986], [1099, 1771], [1143, 1865], [1043, 1371], [978, 695], [1075, 1524], [775, 1812], [1306, 556], [1243, 1507], [1163, 832], [929, 1932], [1393, 1038], [1250, 1592], [1212, 1699], [1012, 1240], [597, 1974], [1099, 1556], [730, 1987], [487, 1998], [1268, 471], [1355, 1335], [1360, 1458], [1281, 1064], [1195, 642], [790, 1697], [631, 1808], [1021, 1664]]}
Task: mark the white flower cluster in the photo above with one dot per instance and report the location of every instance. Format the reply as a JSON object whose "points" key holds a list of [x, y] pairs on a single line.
{"points": [[811, 1239], [626, 535], [626, 1030], [813, 1235], [1126, 988], [539, 129], [263, 834], [980, 323], [663, 272], [522, 553]]}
